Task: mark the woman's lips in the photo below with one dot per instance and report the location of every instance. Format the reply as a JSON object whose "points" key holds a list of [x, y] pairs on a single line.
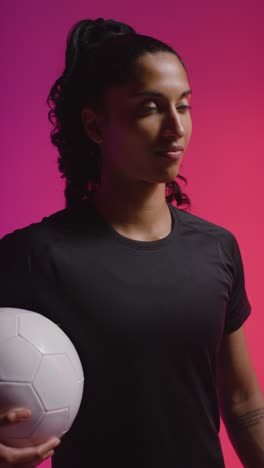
{"points": [[174, 155]]}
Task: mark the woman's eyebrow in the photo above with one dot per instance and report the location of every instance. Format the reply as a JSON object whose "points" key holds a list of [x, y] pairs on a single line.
{"points": [[159, 94]]}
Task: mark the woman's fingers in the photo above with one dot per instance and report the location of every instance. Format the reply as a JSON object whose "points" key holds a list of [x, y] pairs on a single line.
{"points": [[31, 465], [14, 415], [27, 465], [28, 455]]}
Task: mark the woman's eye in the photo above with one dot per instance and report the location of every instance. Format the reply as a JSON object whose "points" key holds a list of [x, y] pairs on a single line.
{"points": [[149, 108], [184, 107]]}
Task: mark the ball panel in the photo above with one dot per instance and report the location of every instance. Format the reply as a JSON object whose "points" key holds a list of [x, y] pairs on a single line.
{"points": [[74, 408], [9, 321], [75, 360], [55, 382], [54, 423], [8, 325], [15, 394], [19, 360], [48, 338], [43, 333], [18, 443], [36, 326]]}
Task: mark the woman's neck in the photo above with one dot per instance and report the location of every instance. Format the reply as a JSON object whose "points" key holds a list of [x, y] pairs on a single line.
{"points": [[139, 212]]}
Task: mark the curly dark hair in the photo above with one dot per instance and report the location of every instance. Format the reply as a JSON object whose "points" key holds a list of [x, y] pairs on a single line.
{"points": [[99, 54]]}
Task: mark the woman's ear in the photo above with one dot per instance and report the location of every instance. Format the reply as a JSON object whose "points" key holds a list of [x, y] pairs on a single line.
{"points": [[91, 125]]}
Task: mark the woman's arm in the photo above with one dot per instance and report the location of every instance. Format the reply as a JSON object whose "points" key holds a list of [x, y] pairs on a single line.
{"points": [[241, 400]]}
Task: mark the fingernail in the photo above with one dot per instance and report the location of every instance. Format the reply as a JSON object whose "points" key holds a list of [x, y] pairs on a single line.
{"points": [[56, 442], [19, 414], [49, 454], [24, 414], [12, 416]]}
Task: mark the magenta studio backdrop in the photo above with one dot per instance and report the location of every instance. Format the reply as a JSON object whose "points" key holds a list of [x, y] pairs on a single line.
{"points": [[222, 45]]}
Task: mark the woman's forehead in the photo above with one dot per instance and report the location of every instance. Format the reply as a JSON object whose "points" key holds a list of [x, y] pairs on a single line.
{"points": [[153, 80], [160, 72], [158, 66]]}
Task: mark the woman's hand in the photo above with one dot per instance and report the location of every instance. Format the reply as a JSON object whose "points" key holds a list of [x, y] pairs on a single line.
{"points": [[24, 457]]}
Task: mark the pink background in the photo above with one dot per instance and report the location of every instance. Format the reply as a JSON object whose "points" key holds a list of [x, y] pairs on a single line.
{"points": [[222, 44]]}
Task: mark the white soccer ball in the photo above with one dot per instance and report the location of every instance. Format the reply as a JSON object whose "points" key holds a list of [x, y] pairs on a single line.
{"points": [[40, 370]]}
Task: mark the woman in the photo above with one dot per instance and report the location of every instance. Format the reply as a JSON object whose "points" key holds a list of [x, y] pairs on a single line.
{"points": [[152, 296]]}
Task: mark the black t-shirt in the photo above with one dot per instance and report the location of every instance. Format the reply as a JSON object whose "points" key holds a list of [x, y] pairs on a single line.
{"points": [[147, 319]]}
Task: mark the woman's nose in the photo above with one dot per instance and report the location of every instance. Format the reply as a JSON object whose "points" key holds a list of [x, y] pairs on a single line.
{"points": [[173, 126]]}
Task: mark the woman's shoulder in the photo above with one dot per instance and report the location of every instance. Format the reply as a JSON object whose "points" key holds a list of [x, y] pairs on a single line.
{"points": [[50, 227], [201, 226]]}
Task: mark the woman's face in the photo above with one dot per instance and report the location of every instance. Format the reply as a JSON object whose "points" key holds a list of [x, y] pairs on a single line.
{"points": [[147, 114]]}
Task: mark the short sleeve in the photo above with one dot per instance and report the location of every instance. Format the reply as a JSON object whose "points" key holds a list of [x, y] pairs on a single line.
{"points": [[238, 307], [15, 276]]}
